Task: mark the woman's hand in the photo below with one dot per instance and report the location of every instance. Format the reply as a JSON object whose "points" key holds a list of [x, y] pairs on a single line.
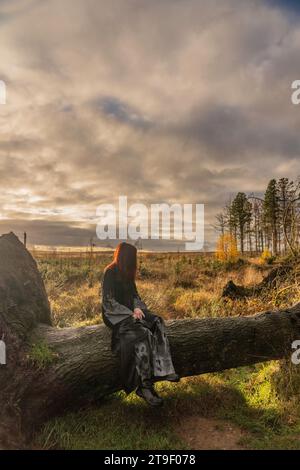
{"points": [[138, 314]]}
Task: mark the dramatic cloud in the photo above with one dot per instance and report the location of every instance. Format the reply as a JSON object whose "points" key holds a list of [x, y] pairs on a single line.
{"points": [[163, 101]]}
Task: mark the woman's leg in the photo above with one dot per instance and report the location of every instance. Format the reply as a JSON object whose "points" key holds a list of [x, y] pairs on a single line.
{"points": [[144, 357], [134, 344], [129, 334], [163, 368], [144, 368], [143, 361]]}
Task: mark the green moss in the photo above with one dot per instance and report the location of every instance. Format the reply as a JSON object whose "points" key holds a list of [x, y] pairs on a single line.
{"points": [[41, 355]]}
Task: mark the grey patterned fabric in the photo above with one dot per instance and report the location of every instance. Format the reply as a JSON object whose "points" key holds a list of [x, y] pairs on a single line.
{"points": [[162, 360], [153, 357]]}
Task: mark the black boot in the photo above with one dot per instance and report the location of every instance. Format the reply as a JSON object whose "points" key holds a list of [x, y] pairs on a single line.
{"points": [[149, 395]]}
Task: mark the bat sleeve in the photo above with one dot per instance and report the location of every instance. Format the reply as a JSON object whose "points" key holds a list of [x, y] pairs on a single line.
{"points": [[137, 301]]}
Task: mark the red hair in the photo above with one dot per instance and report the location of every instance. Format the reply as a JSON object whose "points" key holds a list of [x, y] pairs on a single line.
{"points": [[125, 258]]}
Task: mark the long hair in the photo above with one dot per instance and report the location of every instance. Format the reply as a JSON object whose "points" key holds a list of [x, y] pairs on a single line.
{"points": [[125, 258]]}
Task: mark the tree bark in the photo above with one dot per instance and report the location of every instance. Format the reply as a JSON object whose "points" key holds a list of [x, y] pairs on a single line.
{"points": [[51, 370]]}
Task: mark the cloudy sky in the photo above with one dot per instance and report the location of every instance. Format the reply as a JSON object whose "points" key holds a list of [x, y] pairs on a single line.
{"points": [[183, 101]]}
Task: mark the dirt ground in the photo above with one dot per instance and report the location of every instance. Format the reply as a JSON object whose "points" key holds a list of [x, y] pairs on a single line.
{"points": [[210, 434]]}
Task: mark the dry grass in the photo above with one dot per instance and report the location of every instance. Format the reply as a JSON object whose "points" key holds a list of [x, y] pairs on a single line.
{"points": [[173, 285]]}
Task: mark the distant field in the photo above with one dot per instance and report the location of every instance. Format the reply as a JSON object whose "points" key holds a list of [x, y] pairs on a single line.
{"points": [[87, 252]]}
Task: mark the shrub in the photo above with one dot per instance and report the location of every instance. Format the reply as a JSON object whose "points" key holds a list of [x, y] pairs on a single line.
{"points": [[267, 257], [227, 248]]}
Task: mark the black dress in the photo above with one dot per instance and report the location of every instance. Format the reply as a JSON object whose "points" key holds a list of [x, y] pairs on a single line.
{"points": [[142, 345]]}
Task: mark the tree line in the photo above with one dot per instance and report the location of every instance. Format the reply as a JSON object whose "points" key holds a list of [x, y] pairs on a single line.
{"points": [[269, 222]]}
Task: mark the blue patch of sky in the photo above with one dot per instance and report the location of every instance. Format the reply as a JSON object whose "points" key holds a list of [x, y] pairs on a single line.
{"points": [[290, 6], [117, 109]]}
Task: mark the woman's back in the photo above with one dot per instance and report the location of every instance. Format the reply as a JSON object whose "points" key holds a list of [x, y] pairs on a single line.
{"points": [[123, 290]]}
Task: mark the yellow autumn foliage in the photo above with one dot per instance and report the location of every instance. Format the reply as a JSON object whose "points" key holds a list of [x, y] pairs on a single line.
{"points": [[266, 257], [227, 248]]}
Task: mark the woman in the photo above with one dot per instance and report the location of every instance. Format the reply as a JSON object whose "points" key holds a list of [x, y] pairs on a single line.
{"points": [[138, 336]]}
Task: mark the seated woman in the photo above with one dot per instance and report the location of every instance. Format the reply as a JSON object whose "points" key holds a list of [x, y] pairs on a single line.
{"points": [[138, 335]]}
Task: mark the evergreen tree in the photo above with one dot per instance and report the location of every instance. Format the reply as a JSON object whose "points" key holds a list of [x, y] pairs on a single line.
{"points": [[273, 222], [285, 191], [241, 215], [271, 214]]}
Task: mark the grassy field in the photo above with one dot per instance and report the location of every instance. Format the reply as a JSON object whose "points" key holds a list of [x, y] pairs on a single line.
{"points": [[258, 405]]}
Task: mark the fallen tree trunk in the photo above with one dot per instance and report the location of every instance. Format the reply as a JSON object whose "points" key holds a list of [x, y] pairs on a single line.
{"points": [[51, 370], [275, 276]]}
